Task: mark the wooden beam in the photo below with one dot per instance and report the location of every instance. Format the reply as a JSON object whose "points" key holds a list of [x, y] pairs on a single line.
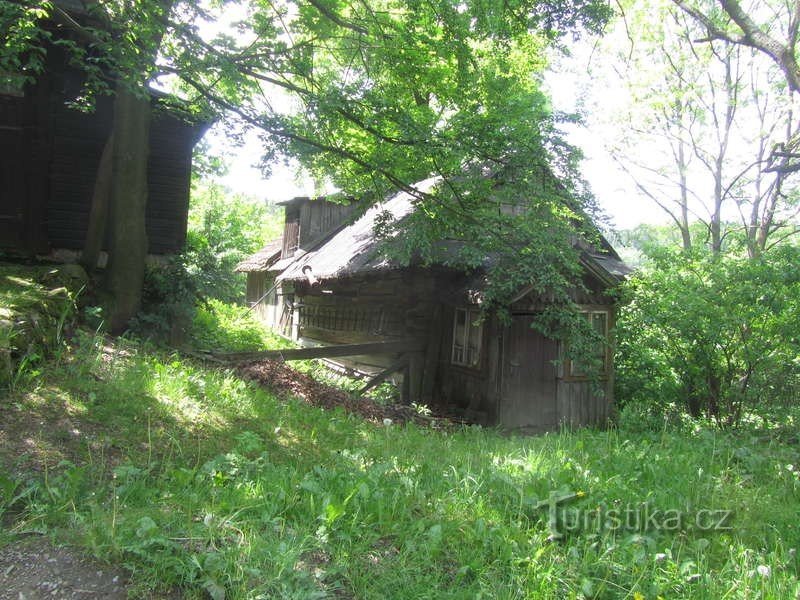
{"points": [[432, 356], [416, 365], [384, 375], [339, 350]]}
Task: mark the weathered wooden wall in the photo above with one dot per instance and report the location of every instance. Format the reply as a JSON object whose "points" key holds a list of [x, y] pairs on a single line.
{"points": [[393, 305], [268, 301], [580, 404], [50, 154], [319, 217], [469, 392], [24, 156], [78, 140]]}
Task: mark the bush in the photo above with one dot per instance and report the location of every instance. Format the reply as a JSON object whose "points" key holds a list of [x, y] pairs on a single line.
{"points": [[218, 326], [169, 296], [714, 335], [223, 229]]}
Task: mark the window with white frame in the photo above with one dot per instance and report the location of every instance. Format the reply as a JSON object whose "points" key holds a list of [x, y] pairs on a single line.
{"points": [[599, 320], [467, 333]]}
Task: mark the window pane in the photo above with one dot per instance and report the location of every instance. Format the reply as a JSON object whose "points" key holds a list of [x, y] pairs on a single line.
{"points": [[466, 338], [474, 342], [599, 323], [459, 335]]}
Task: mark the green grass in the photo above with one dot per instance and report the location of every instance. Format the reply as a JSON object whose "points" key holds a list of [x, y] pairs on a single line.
{"points": [[36, 304], [20, 289], [195, 479]]}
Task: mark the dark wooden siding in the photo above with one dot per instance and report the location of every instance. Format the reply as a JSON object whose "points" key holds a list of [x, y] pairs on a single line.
{"points": [[50, 154], [24, 155], [78, 142], [466, 391], [395, 305], [168, 182]]}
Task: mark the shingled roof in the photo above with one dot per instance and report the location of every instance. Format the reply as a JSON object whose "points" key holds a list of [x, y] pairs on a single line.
{"points": [[355, 248], [263, 259]]}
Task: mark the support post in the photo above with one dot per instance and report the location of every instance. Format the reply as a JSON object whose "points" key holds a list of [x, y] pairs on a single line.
{"points": [[432, 350]]}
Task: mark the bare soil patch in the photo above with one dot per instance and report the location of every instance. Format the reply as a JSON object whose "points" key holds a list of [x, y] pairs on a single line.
{"points": [[34, 570]]}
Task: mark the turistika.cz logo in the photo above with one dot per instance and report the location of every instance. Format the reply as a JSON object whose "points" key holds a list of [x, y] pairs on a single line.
{"points": [[563, 519]]}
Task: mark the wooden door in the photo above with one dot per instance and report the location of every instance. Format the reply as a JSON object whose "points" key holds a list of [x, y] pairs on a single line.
{"points": [[13, 189], [529, 378]]}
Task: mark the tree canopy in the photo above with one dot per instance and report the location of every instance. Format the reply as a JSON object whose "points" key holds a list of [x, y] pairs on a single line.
{"points": [[368, 96]]}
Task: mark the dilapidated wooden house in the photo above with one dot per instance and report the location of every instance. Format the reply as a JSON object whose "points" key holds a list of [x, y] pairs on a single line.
{"points": [[49, 154], [326, 283]]}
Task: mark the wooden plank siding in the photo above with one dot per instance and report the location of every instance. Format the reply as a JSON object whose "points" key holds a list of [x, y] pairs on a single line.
{"points": [[24, 155], [466, 391], [50, 165], [395, 305], [77, 145], [317, 218]]}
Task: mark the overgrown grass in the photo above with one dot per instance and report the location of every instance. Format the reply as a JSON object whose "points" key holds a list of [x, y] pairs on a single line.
{"points": [[19, 287], [37, 303], [195, 479]]}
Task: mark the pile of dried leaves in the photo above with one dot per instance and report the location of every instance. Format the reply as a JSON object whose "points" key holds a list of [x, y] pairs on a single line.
{"points": [[281, 378]]}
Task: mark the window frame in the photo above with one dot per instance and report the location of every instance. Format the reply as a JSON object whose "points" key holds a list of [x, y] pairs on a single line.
{"points": [[471, 315], [569, 365]]}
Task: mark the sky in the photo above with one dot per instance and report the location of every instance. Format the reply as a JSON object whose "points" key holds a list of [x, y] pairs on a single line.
{"points": [[611, 187]]}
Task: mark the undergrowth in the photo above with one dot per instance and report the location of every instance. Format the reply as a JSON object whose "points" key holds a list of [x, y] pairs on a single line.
{"points": [[198, 481]]}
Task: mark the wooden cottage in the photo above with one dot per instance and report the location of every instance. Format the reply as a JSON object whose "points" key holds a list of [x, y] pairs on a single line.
{"points": [[49, 154], [325, 283]]}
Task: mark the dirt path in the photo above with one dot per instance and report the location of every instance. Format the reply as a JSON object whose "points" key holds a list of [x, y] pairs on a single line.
{"points": [[34, 570]]}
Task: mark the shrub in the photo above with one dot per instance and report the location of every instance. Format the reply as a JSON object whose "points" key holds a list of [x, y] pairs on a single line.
{"points": [[715, 335], [169, 296], [223, 229], [218, 326]]}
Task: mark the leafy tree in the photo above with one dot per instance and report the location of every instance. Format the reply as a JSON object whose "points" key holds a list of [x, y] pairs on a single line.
{"points": [[770, 28], [385, 92], [698, 128], [223, 229], [713, 335]]}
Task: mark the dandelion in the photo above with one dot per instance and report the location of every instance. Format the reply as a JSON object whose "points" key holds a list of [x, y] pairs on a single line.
{"points": [[661, 557], [387, 422], [764, 571]]}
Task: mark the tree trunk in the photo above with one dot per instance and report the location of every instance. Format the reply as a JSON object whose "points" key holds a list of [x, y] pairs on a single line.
{"points": [[128, 201], [98, 215]]}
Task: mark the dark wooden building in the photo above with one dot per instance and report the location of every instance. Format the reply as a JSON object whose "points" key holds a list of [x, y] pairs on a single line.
{"points": [[333, 287], [49, 154]]}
